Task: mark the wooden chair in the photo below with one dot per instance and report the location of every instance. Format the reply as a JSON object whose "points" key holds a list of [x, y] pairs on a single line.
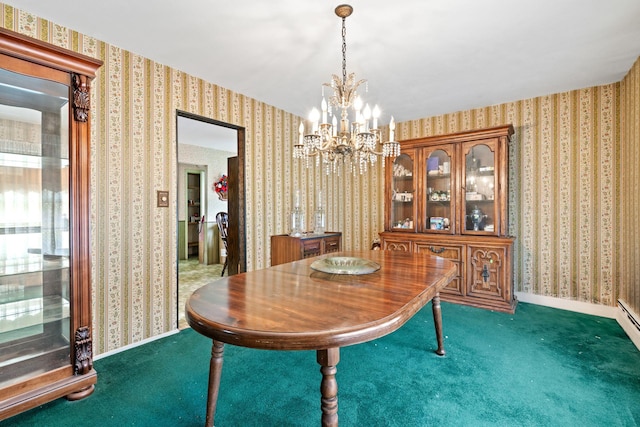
{"points": [[222, 218], [375, 245]]}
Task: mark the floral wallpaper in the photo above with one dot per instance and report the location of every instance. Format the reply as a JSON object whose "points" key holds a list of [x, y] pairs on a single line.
{"points": [[573, 184], [133, 133], [629, 247], [563, 188]]}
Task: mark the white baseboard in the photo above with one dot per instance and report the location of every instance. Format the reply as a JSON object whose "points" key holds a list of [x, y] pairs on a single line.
{"points": [[565, 304], [136, 344], [630, 322], [625, 317]]}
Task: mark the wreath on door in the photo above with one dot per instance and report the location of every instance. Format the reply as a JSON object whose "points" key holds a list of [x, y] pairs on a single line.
{"points": [[220, 187]]}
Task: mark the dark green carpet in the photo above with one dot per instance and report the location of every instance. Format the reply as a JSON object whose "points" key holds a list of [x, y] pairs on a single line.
{"points": [[539, 367]]}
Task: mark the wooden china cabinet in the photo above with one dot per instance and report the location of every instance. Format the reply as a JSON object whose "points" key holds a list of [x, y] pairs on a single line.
{"points": [[447, 195], [45, 281]]}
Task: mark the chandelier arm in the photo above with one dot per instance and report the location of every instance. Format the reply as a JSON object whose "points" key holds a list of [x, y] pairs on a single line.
{"points": [[377, 153]]}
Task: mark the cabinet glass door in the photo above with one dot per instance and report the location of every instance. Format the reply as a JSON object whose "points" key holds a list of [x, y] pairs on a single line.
{"points": [[440, 198], [480, 214], [402, 196], [34, 227]]}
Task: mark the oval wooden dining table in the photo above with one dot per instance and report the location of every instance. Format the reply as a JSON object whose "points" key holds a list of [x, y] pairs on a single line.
{"points": [[294, 307]]}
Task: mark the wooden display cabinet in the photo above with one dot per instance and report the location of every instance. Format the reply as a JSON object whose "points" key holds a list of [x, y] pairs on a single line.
{"points": [[447, 195], [45, 273], [285, 248]]}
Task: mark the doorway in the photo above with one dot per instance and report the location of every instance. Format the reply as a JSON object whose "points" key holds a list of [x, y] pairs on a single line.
{"points": [[192, 179], [204, 147]]}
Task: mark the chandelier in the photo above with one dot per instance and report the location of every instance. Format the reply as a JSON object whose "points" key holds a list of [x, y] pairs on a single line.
{"points": [[356, 145]]}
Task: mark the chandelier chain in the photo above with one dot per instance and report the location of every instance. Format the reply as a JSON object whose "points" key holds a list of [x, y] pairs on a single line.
{"points": [[344, 51]]}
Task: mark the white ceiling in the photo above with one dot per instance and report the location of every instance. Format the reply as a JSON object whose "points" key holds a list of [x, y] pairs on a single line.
{"points": [[420, 57]]}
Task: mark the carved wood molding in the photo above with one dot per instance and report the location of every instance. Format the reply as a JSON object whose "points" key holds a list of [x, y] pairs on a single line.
{"points": [[83, 351], [487, 269], [394, 246], [81, 101]]}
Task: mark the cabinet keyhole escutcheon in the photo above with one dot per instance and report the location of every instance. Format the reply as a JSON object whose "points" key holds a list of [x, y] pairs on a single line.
{"points": [[485, 273]]}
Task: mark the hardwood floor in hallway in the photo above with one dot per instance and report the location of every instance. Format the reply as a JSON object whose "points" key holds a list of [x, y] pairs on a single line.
{"points": [[191, 276]]}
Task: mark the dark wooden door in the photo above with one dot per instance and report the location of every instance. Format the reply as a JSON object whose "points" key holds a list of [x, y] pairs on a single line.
{"points": [[235, 242]]}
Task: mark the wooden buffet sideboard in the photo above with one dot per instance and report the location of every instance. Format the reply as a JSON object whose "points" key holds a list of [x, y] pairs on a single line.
{"points": [[285, 248]]}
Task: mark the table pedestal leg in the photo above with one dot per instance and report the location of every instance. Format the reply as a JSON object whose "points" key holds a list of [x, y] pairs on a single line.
{"points": [[328, 359], [437, 320], [215, 370]]}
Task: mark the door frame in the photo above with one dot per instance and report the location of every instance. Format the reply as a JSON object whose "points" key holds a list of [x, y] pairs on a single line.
{"points": [[241, 193], [236, 204]]}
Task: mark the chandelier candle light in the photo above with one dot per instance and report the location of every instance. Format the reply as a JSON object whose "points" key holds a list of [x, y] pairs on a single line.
{"points": [[319, 216], [355, 144], [297, 216]]}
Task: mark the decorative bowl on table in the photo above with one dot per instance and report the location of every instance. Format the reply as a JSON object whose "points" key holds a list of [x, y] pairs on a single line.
{"points": [[345, 265]]}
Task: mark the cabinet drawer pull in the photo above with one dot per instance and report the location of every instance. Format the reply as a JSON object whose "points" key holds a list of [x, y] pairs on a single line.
{"points": [[436, 251]]}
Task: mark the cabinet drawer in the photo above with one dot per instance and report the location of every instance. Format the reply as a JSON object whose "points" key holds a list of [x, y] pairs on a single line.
{"points": [[455, 286], [396, 245], [311, 248], [331, 244], [453, 253]]}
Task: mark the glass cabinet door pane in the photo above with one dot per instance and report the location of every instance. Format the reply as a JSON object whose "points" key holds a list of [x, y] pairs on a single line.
{"points": [[34, 226], [438, 198], [480, 187], [402, 207]]}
